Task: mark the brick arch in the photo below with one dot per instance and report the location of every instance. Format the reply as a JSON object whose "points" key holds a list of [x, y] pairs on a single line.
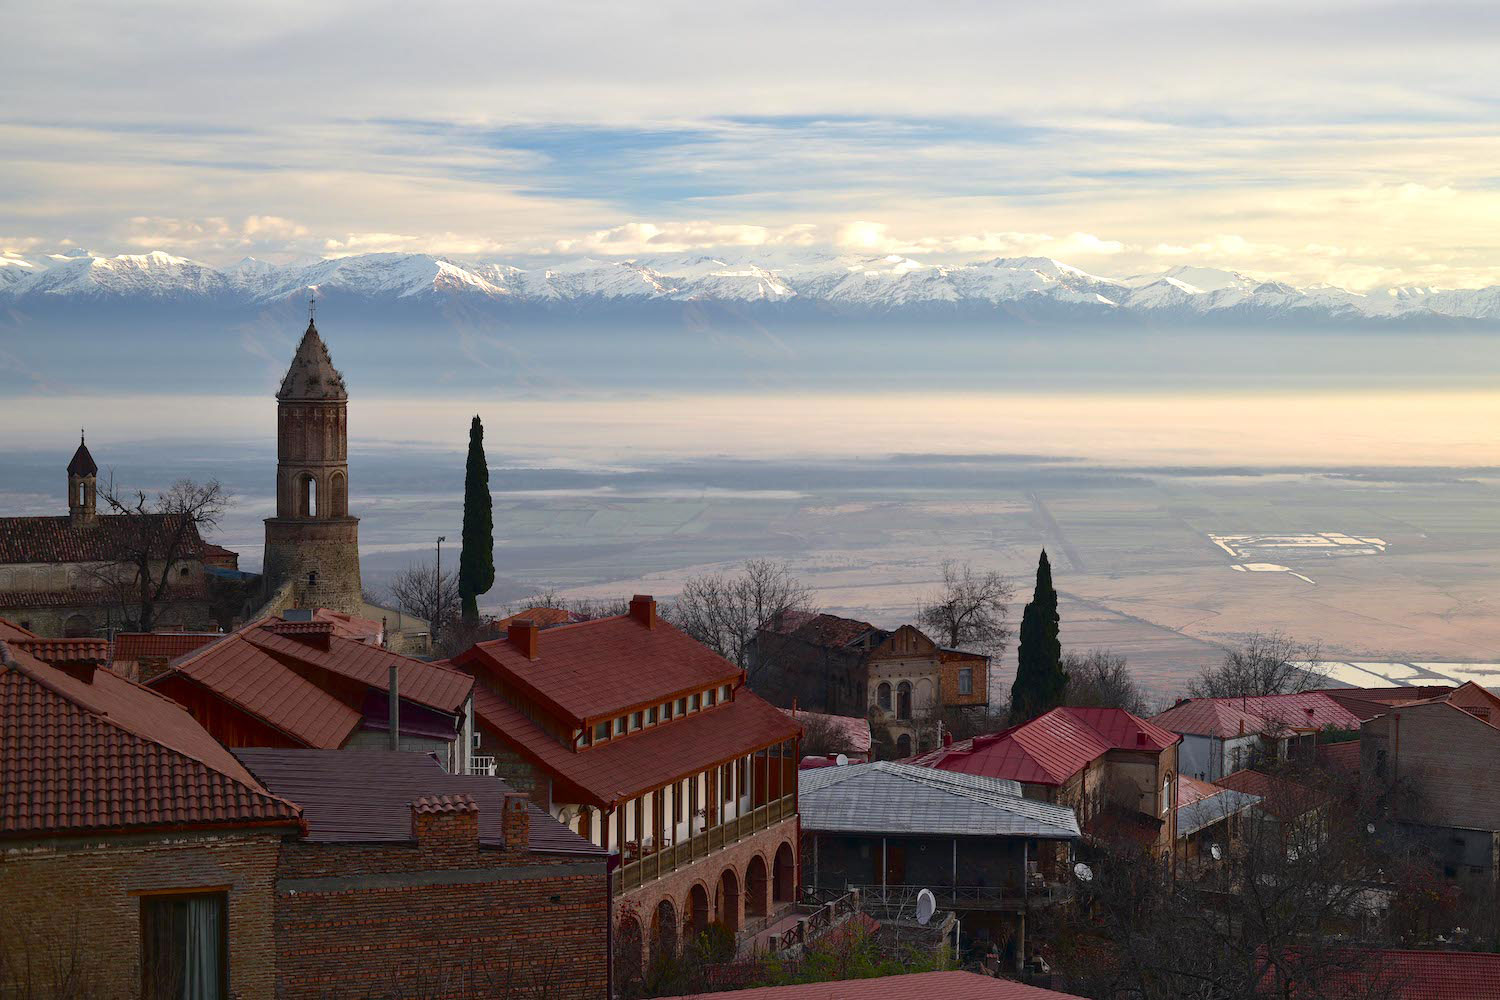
{"points": [[728, 900], [697, 909], [665, 928], [757, 885], [784, 873]]}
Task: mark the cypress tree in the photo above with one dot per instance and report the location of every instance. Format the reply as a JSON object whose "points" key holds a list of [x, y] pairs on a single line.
{"points": [[476, 562], [1040, 683]]}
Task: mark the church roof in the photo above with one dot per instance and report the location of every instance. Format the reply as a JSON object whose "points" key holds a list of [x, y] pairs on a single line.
{"points": [[312, 375], [82, 463], [104, 539]]}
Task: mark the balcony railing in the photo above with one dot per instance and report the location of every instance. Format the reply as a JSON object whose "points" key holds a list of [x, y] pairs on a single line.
{"points": [[668, 859], [482, 765], [963, 897]]}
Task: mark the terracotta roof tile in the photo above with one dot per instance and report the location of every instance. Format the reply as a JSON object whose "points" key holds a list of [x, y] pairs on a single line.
{"points": [[624, 768], [820, 629], [108, 754], [1051, 748], [1228, 717], [1278, 796], [1397, 974], [445, 804], [10, 630], [59, 540], [540, 617], [131, 647], [947, 985], [65, 650], [596, 669], [362, 796], [426, 683]]}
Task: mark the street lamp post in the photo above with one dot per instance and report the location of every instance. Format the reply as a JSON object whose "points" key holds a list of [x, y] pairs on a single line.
{"points": [[437, 602]]}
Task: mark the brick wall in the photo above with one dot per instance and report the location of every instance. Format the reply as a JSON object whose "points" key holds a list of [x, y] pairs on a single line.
{"points": [[443, 917], [83, 897], [1452, 759]]}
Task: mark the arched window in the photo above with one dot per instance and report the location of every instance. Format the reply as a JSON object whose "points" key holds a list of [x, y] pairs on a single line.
{"points": [[307, 495], [338, 496], [903, 746], [903, 700], [883, 696]]}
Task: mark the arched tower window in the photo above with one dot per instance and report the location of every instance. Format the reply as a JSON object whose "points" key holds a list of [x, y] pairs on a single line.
{"points": [[883, 696], [338, 496], [903, 700], [307, 495]]}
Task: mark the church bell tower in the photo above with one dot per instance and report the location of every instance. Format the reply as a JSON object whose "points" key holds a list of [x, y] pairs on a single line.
{"points": [[312, 544]]}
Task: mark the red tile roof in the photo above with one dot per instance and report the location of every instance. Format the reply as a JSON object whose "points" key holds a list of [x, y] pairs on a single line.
{"points": [[915, 986], [623, 768], [60, 540], [131, 647], [602, 668], [110, 755], [425, 683], [10, 630], [1278, 796], [1051, 748], [65, 650], [540, 617], [1225, 718], [1397, 974], [819, 629], [340, 804]]}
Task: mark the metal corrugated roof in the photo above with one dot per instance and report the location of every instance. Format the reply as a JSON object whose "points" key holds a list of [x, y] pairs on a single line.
{"points": [[366, 796], [1210, 809], [887, 797], [1225, 718]]}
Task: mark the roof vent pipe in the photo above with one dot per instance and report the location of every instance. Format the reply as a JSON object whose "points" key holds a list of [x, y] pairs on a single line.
{"points": [[395, 710]]}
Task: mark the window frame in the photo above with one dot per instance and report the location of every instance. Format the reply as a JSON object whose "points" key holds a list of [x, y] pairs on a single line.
{"points": [[148, 898]]}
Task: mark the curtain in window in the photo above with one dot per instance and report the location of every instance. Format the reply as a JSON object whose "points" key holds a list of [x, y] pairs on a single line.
{"points": [[204, 924]]}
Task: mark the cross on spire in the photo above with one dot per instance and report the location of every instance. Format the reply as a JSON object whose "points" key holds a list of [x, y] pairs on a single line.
{"points": [[312, 307]]}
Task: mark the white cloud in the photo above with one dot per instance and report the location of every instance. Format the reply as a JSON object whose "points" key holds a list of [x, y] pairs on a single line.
{"points": [[676, 237]]}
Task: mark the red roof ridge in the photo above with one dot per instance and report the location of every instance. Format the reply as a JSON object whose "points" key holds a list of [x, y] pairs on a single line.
{"points": [[459, 803]]}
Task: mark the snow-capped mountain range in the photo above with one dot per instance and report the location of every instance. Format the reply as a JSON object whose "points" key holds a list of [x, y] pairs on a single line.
{"points": [[832, 284]]}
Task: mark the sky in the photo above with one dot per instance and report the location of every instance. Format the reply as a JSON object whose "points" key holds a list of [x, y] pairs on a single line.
{"points": [[1341, 142]]}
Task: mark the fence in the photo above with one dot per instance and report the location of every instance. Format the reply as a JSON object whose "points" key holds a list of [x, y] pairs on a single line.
{"points": [[699, 846]]}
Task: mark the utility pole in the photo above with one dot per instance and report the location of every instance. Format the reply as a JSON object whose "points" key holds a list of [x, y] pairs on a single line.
{"points": [[437, 598]]}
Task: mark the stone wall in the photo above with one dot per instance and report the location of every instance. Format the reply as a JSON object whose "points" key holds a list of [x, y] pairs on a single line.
{"points": [[319, 557], [83, 897]]}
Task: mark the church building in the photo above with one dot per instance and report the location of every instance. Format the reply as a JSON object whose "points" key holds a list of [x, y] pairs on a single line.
{"points": [[73, 575], [312, 544]]}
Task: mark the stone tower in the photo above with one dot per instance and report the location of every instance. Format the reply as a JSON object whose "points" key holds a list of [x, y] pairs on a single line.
{"points": [[83, 483], [312, 543]]}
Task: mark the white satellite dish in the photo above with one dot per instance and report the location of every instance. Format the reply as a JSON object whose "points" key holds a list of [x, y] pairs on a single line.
{"points": [[1369, 828], [1083, 872], [840, 760], [926, 906], [1217, 852]]}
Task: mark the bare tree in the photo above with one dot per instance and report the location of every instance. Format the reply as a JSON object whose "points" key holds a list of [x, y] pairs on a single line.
{"points": [[418, 591], [1265, 663], [968, 610], [1102, 679], [150, 541], [821, 736], [723, 612]]}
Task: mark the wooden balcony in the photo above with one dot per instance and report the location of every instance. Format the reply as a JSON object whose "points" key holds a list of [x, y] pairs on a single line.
{"points": [[668, 859]]}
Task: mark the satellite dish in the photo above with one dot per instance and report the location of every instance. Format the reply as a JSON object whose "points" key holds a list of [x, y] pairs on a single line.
{"points": [[1217, 852], [840, 760], [1083, 872], [1369, 828], [926, 906]]}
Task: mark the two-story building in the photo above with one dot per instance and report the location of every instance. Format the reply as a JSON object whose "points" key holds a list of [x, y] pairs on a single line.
{"points": [[901, 680], [1115, 769], [645, 742], [1223, 735]]}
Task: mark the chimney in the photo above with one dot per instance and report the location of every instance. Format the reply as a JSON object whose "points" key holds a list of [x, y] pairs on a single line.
{"points": [[516, 824], [643, 609], [445, 821], [394, 722], [524, 635]]}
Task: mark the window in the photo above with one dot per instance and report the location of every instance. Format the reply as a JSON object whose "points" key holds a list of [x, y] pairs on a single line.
{"points": [[713, 698], [601, 732], [883, 696], [635, 721], [724, 693], [696, 702], [666, 711], [620, 726], [966, 680], [184, 572], [1380, 763], [682, 706], [651, 716], [183, 946], [903, 700]]}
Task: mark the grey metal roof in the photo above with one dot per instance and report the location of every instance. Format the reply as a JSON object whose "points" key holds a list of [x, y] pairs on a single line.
{"points": [[1206, 812], [886, 797]]}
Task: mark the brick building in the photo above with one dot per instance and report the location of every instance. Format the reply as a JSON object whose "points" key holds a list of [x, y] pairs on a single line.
{"points": [[320, 683], [1115, 769], [428, 884], [645, 742], [901, 680], [133, 847], [70, 575]]}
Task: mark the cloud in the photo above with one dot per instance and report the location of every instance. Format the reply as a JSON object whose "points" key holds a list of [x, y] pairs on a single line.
{"points": [[677, 237]]}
